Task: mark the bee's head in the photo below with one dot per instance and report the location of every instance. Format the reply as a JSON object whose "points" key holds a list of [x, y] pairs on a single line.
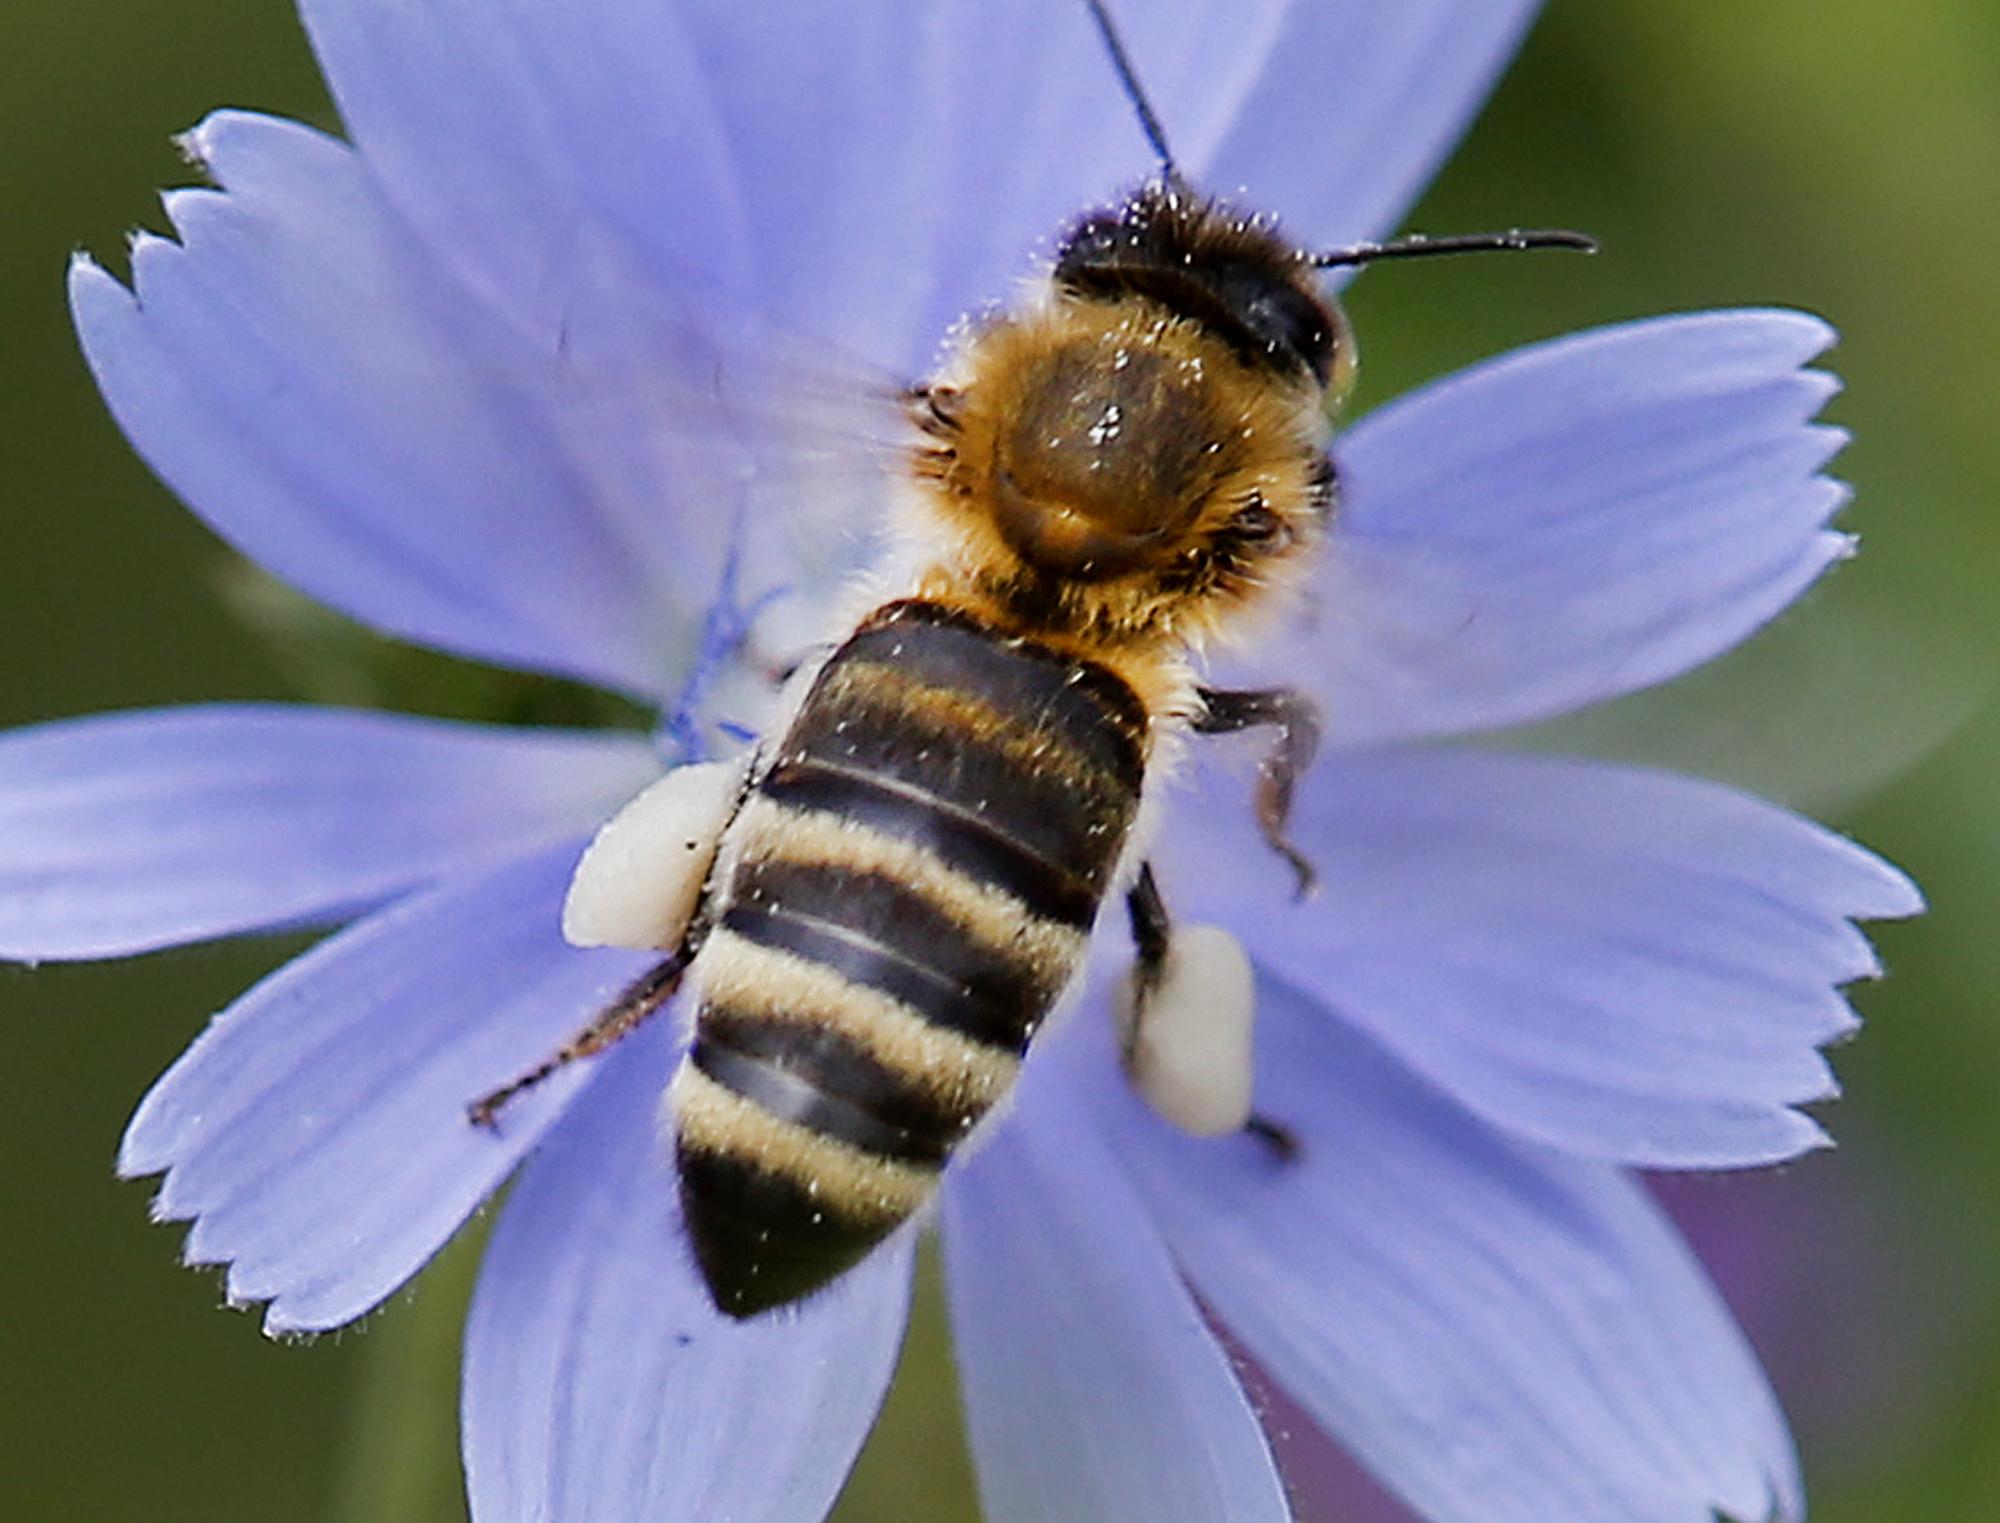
{"points": [[1152, 436], [1230, 273]]}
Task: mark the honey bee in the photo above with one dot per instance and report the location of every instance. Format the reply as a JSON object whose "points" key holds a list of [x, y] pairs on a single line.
{"points": [[879, 907]]}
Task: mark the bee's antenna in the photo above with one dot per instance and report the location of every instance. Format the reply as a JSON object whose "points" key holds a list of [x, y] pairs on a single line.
{"points": [[1417, 246], [1148, 122]]}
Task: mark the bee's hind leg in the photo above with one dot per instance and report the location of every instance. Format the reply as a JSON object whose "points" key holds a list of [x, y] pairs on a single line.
{"points": [[1185, 1015], [1225, 711], [617, 1020], [642, 884]]}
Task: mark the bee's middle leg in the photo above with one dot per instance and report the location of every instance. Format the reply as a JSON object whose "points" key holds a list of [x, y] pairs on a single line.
{"points": [[1185, 1018]]}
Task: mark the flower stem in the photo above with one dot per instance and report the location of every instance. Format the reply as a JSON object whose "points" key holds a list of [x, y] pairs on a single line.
{"points": [[915, 1464], [401, 1462]]}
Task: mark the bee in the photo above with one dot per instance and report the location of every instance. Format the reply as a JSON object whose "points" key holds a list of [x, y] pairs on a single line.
{"points": [[878, 908]]}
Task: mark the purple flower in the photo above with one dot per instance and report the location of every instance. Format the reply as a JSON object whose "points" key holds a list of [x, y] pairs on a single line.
{"points": [[547, 370]]}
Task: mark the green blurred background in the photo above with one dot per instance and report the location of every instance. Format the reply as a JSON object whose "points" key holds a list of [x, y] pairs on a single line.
{"points": [[1840, 155]]}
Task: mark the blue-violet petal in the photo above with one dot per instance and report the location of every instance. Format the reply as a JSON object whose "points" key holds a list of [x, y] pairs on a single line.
{"points": [[322, 392], [1356, 106], [1574, 521], [122, 833], [1094, 1391], [316, 1133], [1500, 1333], [600, 1384], [1627, 964]]}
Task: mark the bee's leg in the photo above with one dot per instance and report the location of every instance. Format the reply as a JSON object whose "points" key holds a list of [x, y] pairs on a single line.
{"points": [[1280, 1139], [1151, 927], [641, 884], [1185, 1014], [933, 408], [1225, 711], [619, 1019]]}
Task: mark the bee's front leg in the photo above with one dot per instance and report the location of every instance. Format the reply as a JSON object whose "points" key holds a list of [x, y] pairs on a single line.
{"points": [[1185, 1016]]}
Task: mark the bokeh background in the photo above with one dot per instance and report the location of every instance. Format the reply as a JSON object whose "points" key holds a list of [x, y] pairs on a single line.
{"points": [[1841, 155]]}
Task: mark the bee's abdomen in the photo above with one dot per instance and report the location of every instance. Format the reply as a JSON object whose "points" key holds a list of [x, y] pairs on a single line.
{"points": [[913, 878]]}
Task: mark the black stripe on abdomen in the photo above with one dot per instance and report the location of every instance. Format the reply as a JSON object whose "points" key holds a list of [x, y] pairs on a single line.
{"points": [[908, 892], [960, 839], [827, 1083], [765, 1239], [1026, 744], [950, 981], [1080, 700]]}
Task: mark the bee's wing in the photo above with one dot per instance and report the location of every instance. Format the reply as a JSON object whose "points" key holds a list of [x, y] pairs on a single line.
{"points": [[691, 406]]}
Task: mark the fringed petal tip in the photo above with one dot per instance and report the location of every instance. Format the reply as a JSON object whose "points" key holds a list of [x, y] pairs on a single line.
{"points": [[1624, 963], [299, 371], [317, 1135], [1575, 521]]}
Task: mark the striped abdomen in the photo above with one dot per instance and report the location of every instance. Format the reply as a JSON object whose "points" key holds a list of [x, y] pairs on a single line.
{"points": [[906, 891]]}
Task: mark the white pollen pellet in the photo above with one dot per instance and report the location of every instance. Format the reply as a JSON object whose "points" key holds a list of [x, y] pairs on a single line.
{"points": [[641, 877], [1187, 1036]]}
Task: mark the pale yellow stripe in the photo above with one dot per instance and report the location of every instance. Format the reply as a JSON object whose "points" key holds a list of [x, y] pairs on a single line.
{"points": [[855, 1185], [778, 833], [964, 1076]]}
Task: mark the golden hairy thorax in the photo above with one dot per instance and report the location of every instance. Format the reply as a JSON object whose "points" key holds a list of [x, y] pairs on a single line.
{"points": [[1110, 472]]}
